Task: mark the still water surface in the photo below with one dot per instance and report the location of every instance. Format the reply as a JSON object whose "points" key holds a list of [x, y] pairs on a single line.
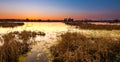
{"points": [[40, 50]]}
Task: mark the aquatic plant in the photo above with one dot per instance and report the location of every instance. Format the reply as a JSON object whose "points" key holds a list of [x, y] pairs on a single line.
{"points": [[83, 25], [10, 24], [16, 44], [75, 47]]}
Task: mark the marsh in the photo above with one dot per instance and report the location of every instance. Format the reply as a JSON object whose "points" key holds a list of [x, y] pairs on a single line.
{"points": [[45, 35]]}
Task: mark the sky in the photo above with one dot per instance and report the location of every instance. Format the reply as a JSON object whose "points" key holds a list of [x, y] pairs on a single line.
{"points": [[59, 9]]}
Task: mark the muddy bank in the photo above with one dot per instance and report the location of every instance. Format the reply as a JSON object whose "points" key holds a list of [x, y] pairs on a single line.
{"points": [[10, 24], [93, 26]]}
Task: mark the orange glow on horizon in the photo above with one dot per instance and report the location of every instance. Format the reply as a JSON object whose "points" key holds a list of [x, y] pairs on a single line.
{"points": [[34, 17]]}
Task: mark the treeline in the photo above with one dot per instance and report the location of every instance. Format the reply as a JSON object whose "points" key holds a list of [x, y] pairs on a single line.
{"points": [[104, 21], [18, 20], [27, 20], [65, 20]]}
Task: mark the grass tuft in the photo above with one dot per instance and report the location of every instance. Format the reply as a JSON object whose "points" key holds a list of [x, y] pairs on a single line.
{"points": [[75, 47], [13, 48]]}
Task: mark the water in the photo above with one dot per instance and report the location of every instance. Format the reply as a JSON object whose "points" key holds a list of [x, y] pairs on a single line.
{"points": [[40, 51], [51, 29]]}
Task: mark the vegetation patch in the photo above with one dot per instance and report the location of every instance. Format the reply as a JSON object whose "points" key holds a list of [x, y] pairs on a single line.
{"points": [[15, 45], [75, 47], [83, 25], [11, 24]]}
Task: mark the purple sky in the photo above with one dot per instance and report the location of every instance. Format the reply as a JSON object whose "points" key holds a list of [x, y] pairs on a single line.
{"points": [[60, 9]]}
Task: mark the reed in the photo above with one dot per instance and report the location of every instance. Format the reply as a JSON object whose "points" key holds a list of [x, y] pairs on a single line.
{"points": [[75, 47], [16, 44], [89, 26], [10, 24]]}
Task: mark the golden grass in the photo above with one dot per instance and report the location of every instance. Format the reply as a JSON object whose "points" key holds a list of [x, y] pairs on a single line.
{"points": [[13, 48], [89, 26], [75, 47], [12, 24]]}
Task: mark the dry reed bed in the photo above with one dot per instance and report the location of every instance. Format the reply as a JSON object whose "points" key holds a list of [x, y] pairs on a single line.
{"points": [[75, 47], [10, 24], [83, 25], [16, 44]]}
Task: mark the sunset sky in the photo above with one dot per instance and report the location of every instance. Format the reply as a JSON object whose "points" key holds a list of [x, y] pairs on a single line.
{"points": [[59, 9]]}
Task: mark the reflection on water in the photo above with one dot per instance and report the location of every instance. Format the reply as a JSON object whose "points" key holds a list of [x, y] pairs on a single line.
{"points": [[42, 26], [40, 50], [51, 29]]}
